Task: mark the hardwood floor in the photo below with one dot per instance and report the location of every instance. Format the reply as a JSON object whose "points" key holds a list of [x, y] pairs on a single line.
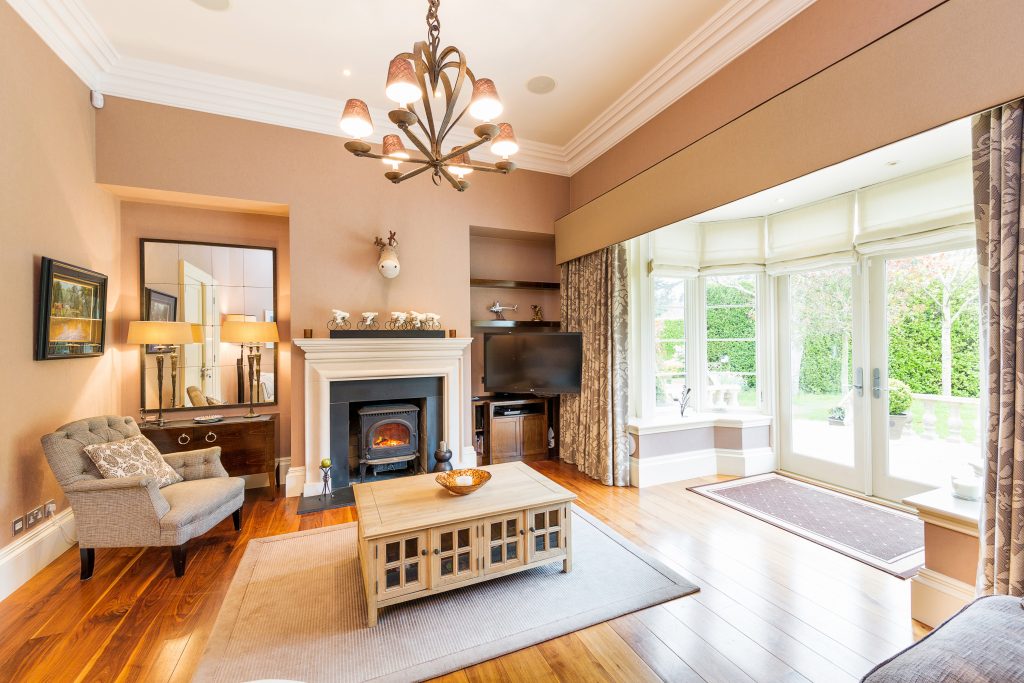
{"points": [[772, 606]]}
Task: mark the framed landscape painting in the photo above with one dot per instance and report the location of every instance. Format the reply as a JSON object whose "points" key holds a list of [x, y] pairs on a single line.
{"points": [[72, 311]]}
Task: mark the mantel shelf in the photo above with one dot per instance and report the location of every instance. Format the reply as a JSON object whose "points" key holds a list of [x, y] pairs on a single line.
{"points": [[512, 284], [517, 323]]}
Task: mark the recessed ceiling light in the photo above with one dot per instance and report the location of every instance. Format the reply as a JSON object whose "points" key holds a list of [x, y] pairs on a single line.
{"points": [[540, 85], [346, 72], [215, 5], [892, 163]]}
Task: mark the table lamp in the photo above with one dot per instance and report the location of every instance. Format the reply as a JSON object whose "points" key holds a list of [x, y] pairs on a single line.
{"points": [[166, 335], [250, 333]]}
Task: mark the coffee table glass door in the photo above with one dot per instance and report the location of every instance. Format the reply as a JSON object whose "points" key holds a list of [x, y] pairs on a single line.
{"points": [[402, 564], [456, 553], [503, 541]]}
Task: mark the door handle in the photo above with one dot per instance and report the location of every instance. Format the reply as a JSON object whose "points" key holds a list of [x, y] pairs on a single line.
{"points": [[876, 383], [858, 381]]}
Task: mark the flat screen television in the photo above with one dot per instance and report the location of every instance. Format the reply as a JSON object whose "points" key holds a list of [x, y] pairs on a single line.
{"points": [[533, 363]]}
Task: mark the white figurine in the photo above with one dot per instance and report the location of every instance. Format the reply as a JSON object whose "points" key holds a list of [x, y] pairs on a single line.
{"points": [[339, 317], [416, 319], [398, 318], [369, 317], [433, 320]]}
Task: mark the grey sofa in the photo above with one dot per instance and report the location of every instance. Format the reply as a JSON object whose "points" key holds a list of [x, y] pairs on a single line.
{"points": [[134, 511]]}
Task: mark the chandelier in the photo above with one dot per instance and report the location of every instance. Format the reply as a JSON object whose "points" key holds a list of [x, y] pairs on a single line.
{"points": [[426, 78]]}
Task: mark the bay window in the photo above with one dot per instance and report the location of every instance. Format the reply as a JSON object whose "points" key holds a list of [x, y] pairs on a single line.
{"points": [[669, 335], [730, 310]]}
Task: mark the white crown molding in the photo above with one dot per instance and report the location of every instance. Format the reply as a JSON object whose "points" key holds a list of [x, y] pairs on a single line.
{"points": [[731, 31], [68, 29]]}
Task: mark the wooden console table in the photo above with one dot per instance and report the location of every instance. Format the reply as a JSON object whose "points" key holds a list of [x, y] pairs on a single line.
{"points": [[417, 539], [247, 445]]}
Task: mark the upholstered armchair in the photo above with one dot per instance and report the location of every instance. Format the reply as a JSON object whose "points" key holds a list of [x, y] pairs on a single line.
{"points": [[135, 511]]}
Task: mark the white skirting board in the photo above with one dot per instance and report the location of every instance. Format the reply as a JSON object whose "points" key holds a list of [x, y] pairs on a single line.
{"points": [[663, 469], [26, 556], [935, 597]]}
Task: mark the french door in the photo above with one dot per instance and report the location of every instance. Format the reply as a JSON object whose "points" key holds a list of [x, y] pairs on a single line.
{"points": [[879, 371]]}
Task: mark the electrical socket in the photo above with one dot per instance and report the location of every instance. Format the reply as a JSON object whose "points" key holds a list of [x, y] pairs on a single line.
{"points": [[50, 508], [33, 517], [17, 526]]}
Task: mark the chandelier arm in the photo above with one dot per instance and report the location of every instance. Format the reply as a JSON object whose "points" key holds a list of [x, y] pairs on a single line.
{"points": [[449, 177], [419, 145], [424, 63], [485, 169], [411, 174], [462, 150], [373, 155], [452, 100]]}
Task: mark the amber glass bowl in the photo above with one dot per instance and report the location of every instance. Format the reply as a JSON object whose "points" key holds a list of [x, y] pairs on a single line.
{"points": [[449, 480]]}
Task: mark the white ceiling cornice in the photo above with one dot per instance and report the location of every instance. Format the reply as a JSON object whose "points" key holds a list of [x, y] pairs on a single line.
{"points": [[68, 29]]}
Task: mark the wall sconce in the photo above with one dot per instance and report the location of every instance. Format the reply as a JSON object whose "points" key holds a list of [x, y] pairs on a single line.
{"points": [[388, 264]]}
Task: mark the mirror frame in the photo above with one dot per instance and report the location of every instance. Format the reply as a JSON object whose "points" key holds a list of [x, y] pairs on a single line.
{"points": [[143, 241]]}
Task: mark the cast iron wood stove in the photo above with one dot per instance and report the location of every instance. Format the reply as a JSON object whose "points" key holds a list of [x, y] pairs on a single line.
{"points": [[388, 437]]}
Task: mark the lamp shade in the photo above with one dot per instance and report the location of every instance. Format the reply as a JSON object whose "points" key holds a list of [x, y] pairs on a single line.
{"points": [[505, 143], [402, 86], [459, 164], [393, 149], [160, 333], [198, 337], [485, 105], [248, 332], [355, 120]]}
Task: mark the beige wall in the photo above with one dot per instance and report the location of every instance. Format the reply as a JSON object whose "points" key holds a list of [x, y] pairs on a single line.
{"points": [[337, 205], [818, 37], [187, 224], [51, 207], [935, 69]]}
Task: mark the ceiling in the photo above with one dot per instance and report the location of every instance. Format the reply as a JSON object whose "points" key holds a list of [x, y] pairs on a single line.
{"points": [[615, 64], [920, 152]]}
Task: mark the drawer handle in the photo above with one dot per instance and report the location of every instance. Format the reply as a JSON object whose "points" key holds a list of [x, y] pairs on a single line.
{"points": [[183, 439], [437, 551], [210, 437], [424, 553], [532, 529], [523, 533]]}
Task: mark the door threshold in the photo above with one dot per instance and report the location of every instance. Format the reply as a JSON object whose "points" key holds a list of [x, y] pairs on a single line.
{"points": [[850, 492]]}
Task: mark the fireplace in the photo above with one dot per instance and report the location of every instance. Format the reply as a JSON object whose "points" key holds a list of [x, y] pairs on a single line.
{"points": [[388, 437]]}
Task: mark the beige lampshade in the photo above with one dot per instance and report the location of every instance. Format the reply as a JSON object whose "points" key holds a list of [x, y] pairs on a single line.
{"points": [[393, 149], [505, 143], [459, 164], [355, 120], [197, 333], [485, 105], [248, 332], [402, 86], [160, 333]]}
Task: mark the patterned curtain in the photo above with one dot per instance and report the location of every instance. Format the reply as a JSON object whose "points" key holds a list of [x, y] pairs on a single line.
{"points": [[997, 191], [593, 422]]}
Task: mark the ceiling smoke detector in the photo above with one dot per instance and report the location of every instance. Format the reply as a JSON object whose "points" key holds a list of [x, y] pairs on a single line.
{"points": [[540, 85]]}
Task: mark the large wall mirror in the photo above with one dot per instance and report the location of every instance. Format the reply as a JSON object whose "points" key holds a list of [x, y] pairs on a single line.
{"points": [[207, 285]]}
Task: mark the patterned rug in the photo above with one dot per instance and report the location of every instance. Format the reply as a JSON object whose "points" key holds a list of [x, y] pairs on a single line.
{"points": [[882, 537]]}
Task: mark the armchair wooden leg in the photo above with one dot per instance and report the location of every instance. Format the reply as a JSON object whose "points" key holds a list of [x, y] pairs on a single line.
{"points": [[236, 516], [178, 558], [88, 556]]}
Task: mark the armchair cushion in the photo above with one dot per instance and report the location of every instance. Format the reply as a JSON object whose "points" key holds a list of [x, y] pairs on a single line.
{"points": [[198, 505], [135, 456], [202, 463]]}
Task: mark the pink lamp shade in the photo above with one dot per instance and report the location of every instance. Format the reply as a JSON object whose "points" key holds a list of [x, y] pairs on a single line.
{"points": [[459, 164], [392, 148], [485, 105], [402, 86], [505, 143], [355, 120]]}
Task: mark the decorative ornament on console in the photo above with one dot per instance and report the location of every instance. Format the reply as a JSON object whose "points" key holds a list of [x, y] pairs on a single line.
{"points": [[339, 320]]}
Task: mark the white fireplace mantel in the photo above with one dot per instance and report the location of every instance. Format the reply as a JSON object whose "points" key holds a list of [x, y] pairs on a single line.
{"points": [[343, 360]]}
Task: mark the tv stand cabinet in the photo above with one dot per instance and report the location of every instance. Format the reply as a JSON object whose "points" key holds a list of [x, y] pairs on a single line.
{"points": [[512, 429]]}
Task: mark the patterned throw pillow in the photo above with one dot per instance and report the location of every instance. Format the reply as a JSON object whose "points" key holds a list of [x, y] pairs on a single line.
{"points": [[135, 456]]}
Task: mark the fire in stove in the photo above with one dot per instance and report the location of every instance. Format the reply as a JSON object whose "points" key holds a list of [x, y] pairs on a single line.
{"points": [[390, 435]]}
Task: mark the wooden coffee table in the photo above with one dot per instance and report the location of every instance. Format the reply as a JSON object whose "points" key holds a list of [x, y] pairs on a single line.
{"points": [[416, 539]]}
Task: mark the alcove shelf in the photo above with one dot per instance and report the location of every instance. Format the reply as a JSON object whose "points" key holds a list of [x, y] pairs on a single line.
{"points": [[511, 284]]}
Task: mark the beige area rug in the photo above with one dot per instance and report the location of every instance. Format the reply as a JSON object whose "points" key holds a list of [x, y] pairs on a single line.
{"points": [[295, 610]]}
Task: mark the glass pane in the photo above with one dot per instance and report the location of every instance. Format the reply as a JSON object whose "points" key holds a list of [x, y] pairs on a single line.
{"points": [[392, 552], [412, 572], [538, 521], [447, 541], [392, 578], [463, 562], [390, 435], [553, 539], [511, 527], [669, 338], [730, 309], [512, 550], [412, 547], [495, 531], [538, 543], [464, 538], [821, 364], [553, 517], [933, 314], [496, 554], [447, 566]]}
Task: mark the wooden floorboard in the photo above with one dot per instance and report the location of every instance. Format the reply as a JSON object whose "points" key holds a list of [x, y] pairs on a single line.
{"points": [[772, 606]]}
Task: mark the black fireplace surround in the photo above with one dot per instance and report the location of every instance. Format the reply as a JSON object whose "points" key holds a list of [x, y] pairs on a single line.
{"points": [[356, 399]]}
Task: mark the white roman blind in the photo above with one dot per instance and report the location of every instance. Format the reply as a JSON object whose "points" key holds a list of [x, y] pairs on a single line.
{"points": [[727, 243], [825, 227]]}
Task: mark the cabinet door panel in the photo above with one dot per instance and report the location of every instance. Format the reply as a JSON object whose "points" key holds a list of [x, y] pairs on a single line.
{"points": [[534, 437], [455, 550], [504, 536], [402, 565], [546, 532], [505, 446]]}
